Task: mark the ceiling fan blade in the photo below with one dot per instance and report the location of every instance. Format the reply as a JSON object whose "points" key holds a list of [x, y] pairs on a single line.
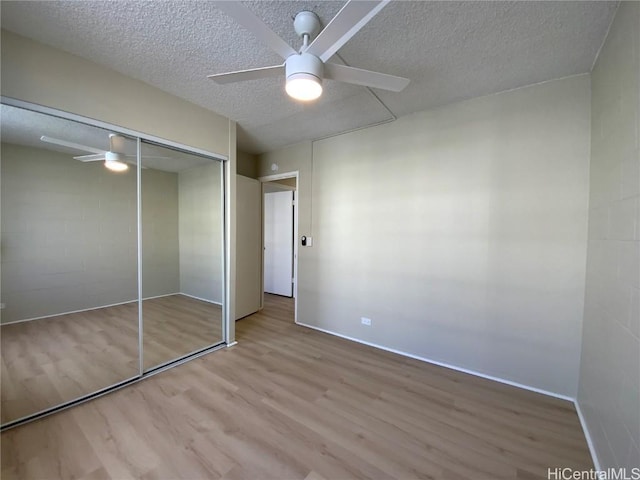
{"points": [[366, 78], [90, 158], [76, 146], [243, 75], [256, 26], [100, 158], [149, 157], [348, 21]]}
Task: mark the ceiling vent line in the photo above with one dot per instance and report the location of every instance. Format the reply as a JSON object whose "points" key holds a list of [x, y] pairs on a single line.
{"points": [[375, 124], [337, 134], [393, 115]]}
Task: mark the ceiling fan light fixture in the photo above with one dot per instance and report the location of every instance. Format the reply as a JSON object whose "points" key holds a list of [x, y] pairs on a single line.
{"points": [[304, 77], [116, 166], [115, 162], [304, 87]]}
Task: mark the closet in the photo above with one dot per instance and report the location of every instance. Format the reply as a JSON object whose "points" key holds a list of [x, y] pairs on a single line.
{"points": [[112, 258]]}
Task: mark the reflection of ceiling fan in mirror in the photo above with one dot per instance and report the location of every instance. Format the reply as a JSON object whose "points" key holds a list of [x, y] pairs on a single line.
{"points": [[114, 159]]}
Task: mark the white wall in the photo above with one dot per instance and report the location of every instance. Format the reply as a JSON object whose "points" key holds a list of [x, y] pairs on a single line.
{"points": [[609, 394], [200, 232], [461, 232]]}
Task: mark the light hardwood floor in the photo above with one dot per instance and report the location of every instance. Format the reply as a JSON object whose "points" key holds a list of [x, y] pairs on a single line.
{"points": [[291, 403], [54, 360]]}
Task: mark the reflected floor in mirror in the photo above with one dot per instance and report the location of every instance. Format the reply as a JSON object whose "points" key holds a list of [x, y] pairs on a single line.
{"points": [[177, 325], [57, 359]]}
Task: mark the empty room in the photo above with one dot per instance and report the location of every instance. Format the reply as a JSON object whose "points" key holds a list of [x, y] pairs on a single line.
{"points": [[320, 240]]}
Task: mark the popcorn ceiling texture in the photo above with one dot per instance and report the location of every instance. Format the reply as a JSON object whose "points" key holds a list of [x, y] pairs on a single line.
{"points": [[450, 51]]}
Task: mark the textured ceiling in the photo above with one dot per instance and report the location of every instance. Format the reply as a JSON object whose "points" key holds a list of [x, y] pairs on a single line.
{"points": [[449, 50]]}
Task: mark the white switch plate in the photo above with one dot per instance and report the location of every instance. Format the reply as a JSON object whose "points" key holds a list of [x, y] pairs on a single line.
{"points": [[365, 321]]}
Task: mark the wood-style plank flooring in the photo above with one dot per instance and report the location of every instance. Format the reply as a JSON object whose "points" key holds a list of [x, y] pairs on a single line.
{"points": [[177, 325], [291, 403], [54, 360]]}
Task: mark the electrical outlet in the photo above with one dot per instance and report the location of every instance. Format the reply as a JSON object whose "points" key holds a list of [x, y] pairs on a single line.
{"points": [[2, 305], [365, 321]]}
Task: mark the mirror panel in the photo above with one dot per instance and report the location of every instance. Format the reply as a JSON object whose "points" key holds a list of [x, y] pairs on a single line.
{"points": [[69, 317], [182, 254]]}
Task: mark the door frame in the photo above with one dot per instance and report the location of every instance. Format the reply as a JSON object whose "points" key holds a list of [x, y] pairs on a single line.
{"points": [[296, 210]]}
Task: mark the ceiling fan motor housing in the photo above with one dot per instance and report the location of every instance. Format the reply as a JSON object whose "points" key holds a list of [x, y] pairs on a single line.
{"points": [[114, 157], [302, 65]]}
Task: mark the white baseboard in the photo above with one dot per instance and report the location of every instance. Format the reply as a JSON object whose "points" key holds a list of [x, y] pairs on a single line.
{"points": [[109, 305], [70, 312], [445, 365], [199, 298], [159, 296], [585, 430]]}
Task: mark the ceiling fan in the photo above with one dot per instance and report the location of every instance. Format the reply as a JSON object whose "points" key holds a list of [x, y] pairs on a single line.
{"points": [[114, 159], [305, 69]]}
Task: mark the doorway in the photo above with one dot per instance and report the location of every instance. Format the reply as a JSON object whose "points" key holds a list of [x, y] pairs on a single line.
{"points": [[278, 241], [279, 234]]}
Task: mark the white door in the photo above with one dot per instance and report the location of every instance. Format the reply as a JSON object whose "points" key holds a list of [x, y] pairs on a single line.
{"points": [[278, 243]]}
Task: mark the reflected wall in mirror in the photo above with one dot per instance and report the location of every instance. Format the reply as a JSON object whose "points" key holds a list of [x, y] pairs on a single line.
{"points": [[69, 317], [182, 253]]}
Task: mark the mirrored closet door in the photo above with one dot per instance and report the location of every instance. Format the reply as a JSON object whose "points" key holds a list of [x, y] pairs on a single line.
{"points": [[182, 261], [112, 259], [69, 262]]}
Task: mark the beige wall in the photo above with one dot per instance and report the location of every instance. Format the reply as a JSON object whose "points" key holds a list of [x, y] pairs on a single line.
{"points": [[609, 394], [461, 232], [200, 232], [160, 259], [69, 234], [288, 182], [247, 164], [69, 238]]}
